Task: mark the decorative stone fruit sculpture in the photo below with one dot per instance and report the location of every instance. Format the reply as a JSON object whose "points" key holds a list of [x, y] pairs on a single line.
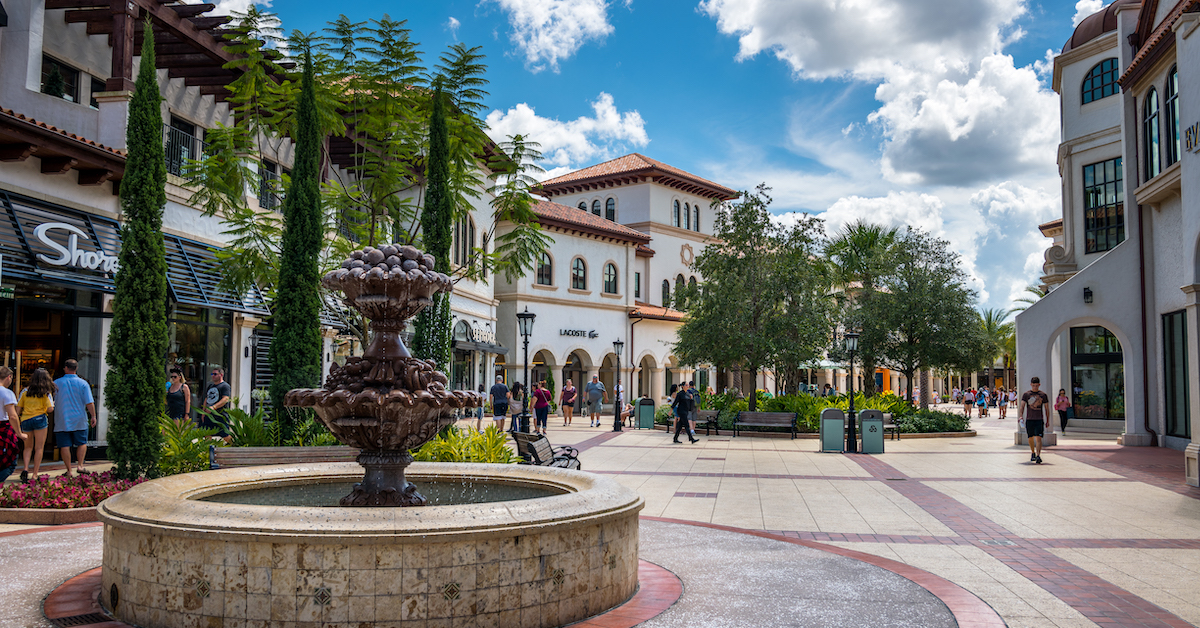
{"points": [[386, 402]]}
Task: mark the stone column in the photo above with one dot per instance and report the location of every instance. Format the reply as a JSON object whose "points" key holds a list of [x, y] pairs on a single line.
{"points": [[114, 117], [241, 367], [658, 384], [327, 336], [1191, 454]]}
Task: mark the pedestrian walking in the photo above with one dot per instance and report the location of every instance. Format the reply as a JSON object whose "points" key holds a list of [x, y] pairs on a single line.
{"points": [[981, 402], [1062, 404], [479, 412], [541, 406], [694, 408], [566, 401], [596, 395], [516, 406], [34, 405], [179, 395], [968, 402], [1035, 408], [11, 435], [215, 412], [76, 412], [1002, 403], [499, 393], [682, 407]]}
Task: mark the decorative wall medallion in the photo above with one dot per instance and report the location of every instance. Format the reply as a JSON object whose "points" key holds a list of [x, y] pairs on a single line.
{"points": [[686, 254], [557, 576], [450, 591], [203, 588], [322, 596]]}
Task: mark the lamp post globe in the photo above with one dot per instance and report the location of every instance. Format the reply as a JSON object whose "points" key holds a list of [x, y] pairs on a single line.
{"points": [[525, 325], [619, 350], [852, 433]]}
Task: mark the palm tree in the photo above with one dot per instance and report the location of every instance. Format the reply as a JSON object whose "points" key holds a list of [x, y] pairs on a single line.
{"points": [[859, 256], [995, 330], [1032, 294]]}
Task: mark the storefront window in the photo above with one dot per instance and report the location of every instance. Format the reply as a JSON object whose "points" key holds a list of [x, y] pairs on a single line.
{"points": [[199, 339], [1175, 384], [1097, 374]]}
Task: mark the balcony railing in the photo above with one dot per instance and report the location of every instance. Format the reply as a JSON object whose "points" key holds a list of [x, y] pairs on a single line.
{"points": [[180, 147], [268, 183]]}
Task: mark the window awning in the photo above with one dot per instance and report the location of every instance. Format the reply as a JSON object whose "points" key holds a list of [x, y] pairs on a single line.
{"points": [[464, 345]]}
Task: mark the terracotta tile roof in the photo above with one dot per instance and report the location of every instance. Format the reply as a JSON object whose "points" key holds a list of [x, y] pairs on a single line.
{"points": [[560, 215], [644, 251], [1151, 45], [635, 163], [1053, 224], [645, 310], [20, 117]]}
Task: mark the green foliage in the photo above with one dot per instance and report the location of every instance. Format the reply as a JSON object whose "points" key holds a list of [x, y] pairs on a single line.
{"points": [[137, 341], [55, 86], [184, 445], [310, 433], [433, 333], [297, 345], [249, 430], [466, 445], [922, 421], [859, 257]]}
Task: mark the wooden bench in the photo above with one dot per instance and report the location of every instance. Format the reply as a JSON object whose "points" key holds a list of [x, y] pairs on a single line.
{"points": [[535, 449], [708, 420], [222, 457], [746, 418], [889, 425]]}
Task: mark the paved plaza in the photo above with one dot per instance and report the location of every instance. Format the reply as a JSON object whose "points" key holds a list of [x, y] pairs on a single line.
{"points": [[757, 528]]}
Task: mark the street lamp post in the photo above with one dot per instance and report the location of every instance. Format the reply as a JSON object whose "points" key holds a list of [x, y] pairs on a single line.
{"points": [[525, 324], [619, 349], [852, 433]]}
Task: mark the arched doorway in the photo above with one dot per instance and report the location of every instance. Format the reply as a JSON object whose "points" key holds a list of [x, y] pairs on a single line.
{"points": [[540, 366], [609, 369], [1097, 379], [576, 371], [644, 386]]}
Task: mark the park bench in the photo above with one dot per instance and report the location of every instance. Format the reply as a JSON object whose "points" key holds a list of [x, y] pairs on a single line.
{"points": [[765, 419], [535, 449], [708, 420], [889, 425], [222, 457]]}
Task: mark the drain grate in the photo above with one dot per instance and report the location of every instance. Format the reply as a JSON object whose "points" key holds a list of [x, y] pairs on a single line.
{"points": [[80, 620]]}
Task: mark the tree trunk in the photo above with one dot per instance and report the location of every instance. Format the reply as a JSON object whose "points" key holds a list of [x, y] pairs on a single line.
{"points": [[925, 382], [868, 387]]}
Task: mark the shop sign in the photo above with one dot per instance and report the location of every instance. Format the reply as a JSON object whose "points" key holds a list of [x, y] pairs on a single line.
{"points": [[71, 255], [485, 336], [580, 333], [1191, 138]]}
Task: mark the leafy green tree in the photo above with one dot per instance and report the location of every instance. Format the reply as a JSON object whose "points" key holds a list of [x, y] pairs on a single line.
{"points": [[432, 339], [55, 85], [137, 341], [927, 309], [995, 331], [762, 301], [1032, 294], [297, 345], [859, 256]]}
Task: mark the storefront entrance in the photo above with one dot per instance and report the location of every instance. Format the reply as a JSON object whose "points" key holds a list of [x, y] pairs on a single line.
{"points": [[1097, 374]]}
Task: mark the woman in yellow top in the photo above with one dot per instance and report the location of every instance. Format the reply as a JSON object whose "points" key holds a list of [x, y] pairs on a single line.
{"points": [[34, 406]]}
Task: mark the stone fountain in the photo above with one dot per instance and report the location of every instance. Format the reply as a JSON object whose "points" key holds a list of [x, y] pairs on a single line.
{"points": [[494, 545], [386, 402]]}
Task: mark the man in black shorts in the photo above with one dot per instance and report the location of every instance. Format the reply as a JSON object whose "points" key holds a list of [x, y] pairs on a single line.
{"points": [[499, 394], [1035, 407]]}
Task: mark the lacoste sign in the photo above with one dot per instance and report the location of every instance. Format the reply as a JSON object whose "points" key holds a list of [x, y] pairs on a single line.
{"points": [[581, 333]]}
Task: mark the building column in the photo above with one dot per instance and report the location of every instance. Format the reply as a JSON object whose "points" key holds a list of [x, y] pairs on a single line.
{"points": [[327, 336], [1191, 454], [241, 367], [658, 384], [114, 117]]}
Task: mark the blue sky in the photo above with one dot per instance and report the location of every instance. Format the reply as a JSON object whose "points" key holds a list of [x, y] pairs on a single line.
{"points": [[930, 113]]}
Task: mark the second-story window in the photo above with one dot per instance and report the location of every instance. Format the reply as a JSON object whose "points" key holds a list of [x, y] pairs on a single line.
{"points": [[1101, 81], [545, 270], [687, 216], [270, 188], [464, 241], [183, 142], [1172, 94], [583, 205], [666, 293], [637, 285], [578, 274], [596, 207], [97, 87], [695, 218], [675, 215], [1103, 205], [56, 76], [610, 209], [610, 278], [1150, 144]]}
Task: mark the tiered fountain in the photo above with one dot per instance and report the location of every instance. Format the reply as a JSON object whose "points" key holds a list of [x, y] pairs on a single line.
{"points": [[498, 545]]}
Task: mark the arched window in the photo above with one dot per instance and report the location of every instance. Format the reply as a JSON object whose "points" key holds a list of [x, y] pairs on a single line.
{"points": [[692, 283], [579, 274], [680, 282], [666, 293], [687, 216], [610, 209], [545, 270], [675, 215], [1172, 97], [1152, 164], [464, 241], [1101, 81], [696, 218], [596, 207], [583, 205], [610, 278]]}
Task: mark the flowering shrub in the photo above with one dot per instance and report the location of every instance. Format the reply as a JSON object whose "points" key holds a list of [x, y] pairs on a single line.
{"points": [[81, 491]]}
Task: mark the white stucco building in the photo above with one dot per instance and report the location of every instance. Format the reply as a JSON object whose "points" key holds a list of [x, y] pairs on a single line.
{"points": [[1119, 327]]}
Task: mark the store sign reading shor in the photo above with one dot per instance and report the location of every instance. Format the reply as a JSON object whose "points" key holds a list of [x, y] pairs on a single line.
{"points": [[71, 255]]}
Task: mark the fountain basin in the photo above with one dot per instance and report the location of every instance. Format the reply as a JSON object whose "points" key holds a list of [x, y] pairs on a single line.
{"points": [[174, 556]]}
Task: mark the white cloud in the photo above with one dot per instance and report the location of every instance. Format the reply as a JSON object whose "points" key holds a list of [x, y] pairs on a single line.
{"points": [[574, 143], [229, 7], [1084, 8], [452, 25], [549, 31]]}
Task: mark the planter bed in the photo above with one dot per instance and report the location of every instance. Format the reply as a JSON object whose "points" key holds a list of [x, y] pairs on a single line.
{"points": [[47, 516], [814, 436]]}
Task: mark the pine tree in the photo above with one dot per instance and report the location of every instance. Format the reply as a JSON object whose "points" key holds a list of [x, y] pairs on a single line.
{"points": [[433, 323], [296, 346], [55, 85], [137, 341]]}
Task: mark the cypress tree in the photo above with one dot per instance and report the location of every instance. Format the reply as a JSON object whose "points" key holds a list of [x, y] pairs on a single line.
{"points": [[137, 341], [55, 85], [296, 346], [432, 340]]}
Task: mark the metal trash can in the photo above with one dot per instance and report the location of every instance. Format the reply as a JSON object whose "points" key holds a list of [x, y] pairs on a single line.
{"points": [[833, 430], [870, 430], [522, 422], [644, 412]]}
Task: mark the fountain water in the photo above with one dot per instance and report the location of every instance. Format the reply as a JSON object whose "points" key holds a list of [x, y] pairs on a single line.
{"points": [[499, 545]]}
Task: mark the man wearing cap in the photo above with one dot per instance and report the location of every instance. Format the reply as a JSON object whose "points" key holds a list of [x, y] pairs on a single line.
{"points": [[1035, 407]]}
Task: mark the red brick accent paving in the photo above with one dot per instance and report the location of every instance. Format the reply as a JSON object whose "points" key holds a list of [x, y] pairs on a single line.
{"points": [[48, 528], [968, 610], [858, 478], [1157, 466], [658, 590], [1095, 598], [596, 440]]}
